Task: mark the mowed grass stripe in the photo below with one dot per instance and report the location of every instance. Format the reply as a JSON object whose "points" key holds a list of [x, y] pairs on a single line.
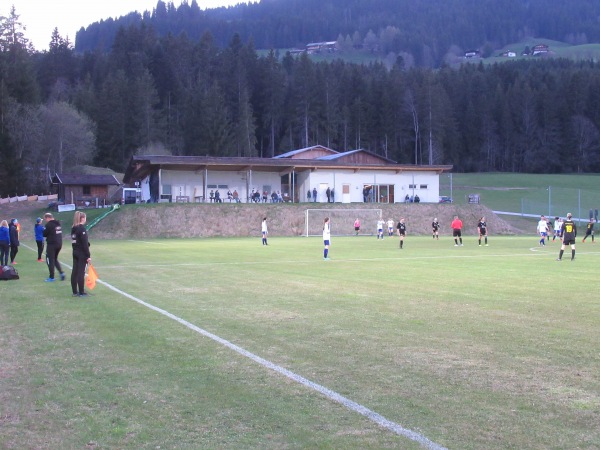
{"points": [[471, 352]]}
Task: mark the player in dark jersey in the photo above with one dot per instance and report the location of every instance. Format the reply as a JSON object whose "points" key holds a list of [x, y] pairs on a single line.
{"points": [[401, 231], [435, 227], [482, 228], [569, 234], [589, 230]]}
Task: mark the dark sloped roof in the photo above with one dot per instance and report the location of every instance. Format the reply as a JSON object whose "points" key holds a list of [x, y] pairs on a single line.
{"points": [[141, 166], [68, 179]]}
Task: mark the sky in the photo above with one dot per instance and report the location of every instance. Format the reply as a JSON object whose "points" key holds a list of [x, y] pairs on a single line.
{"points": [[40, 17]]}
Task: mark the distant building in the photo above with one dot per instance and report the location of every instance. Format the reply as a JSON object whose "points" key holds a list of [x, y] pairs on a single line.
{"points": [[472, 54], [540, 49], [318, 47], [508, 54]]}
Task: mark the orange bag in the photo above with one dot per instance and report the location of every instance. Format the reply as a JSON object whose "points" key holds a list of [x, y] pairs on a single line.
{"points": [[91, 277]]}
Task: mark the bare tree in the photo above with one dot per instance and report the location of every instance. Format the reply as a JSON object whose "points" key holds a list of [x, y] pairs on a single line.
{"points": [[69, 136]]}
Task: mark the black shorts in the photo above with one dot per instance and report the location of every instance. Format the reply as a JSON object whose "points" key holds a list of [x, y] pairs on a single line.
{"points": [[569, 242], [456, 232], [483, 232]]}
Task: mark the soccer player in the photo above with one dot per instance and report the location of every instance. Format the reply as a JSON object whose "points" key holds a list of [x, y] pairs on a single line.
{"points": [[542, 229], [435, 226], [589, 230], [380, 224], [390, 225], [557, 227], [457, 231], [357, 226], [401, 231], [265, 231], [326, 238], [569, 234], [482, 228]]}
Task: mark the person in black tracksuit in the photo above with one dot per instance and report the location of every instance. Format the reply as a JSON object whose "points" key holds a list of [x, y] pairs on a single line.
{"points": [[81, 254], [14, 239], [53, 235]]}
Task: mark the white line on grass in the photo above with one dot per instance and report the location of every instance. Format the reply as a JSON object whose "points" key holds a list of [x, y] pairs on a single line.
{"points": [[328, 393], [147, 242]]}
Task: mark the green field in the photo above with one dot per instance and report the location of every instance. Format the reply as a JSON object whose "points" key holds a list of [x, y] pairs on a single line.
{"points": [[468, 347]]}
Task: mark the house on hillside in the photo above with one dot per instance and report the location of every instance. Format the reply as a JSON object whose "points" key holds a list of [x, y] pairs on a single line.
{"points": [[472, 54], [85, 190], [508, 54], [318, 47], [354, 176], [540, 49]]}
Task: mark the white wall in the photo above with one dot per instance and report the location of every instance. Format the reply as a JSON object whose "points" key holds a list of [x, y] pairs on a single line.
{"points": [[190, 180]]}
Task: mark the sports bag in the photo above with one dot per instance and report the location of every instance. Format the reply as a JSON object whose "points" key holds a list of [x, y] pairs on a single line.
{"points": [[8, 273]]}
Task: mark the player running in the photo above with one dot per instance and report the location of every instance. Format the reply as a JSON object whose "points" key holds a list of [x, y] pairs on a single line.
{"points": [[589, 230]]}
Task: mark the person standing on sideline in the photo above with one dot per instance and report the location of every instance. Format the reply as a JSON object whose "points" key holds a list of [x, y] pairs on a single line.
{"points": [[308, 195], [53, 235], [569, 234], [265, 231], [357, 226], [328, 194], [482, 228], [38, 231], [457, 231], [81, 254], [589, 230], [380, 225], [401, 231], [13, 230], [435, 227], [557, 227], [314, 195], [4, 243], [542, 229], [390, 227], [326, 238]]}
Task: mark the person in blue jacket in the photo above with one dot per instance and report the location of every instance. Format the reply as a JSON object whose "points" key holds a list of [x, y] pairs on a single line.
{"points": [[13, 229], [4, 242], [38, 230]]}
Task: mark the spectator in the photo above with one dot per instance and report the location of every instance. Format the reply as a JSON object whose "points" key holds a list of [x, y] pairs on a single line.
{"points": [[328, 194], [4, 243], [315, 195], [236, 196], [13, 229], [38, 230], [308, 195]]}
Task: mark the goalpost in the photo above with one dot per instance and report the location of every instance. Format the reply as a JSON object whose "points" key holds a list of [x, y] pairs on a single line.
{"points": [[342, 221]]}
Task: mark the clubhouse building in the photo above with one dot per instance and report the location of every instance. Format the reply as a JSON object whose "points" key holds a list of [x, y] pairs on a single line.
{"points": [[353, 176]]}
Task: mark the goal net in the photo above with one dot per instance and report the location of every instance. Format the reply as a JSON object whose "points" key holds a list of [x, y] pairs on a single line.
{"points": [[342, 221]]}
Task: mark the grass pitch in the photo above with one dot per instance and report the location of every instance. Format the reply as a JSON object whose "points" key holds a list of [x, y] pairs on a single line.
{"points": [[471, 347]]}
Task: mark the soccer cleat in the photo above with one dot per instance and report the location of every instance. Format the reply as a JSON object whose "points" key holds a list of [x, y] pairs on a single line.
{"points": [[49, 280], [456, 245], [62, 276], [40, 260], [558, 259], [486, 245], [326, 259], [75, 295], [85, 294]]}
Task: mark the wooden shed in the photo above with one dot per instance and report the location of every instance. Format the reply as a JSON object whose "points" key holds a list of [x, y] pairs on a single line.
{"points": [[84, 190]]}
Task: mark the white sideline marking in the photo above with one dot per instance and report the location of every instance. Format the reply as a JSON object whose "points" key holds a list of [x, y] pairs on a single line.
{"points": [[328, 393], [147, 242], [332, 395]]}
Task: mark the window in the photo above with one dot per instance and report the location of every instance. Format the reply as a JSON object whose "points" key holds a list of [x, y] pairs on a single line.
{"points": [[422, 186], [412, 186], [166, 189], [87, 190]]}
